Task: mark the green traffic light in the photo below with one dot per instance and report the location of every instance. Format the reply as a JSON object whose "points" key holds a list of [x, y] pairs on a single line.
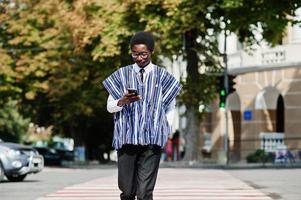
{"points": [[222, 105], [223, 93]]}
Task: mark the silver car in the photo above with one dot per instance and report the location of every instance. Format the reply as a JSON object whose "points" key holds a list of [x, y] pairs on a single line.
{"points": [[16, 161]]}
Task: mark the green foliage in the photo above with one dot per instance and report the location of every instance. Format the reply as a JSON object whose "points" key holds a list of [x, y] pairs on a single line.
{"points": [[259, 156], [171, 20], [56, 56], [48, 62], [268, 17], [12, 124]]}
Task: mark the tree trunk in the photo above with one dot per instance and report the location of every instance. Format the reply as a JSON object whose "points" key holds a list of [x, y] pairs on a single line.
{"points": [[76, 135], [192, 136], [192, 128]]}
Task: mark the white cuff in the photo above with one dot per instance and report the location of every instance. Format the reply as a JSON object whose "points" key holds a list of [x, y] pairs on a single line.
{"points": [[112, 106]]}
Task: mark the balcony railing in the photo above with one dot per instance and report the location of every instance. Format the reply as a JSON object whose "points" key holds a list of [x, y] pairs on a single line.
{"points": [[266, 57]]}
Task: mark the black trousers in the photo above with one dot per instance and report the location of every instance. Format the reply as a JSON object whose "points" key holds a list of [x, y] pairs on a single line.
{"points": [[137, 171]]}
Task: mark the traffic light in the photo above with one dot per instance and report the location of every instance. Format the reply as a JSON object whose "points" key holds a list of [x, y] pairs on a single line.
{"points": [[222, 91], [222, 98], [231, 83]]}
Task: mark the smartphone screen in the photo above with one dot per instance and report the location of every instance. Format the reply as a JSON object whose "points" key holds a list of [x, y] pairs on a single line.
{"points": [[133, 90]]}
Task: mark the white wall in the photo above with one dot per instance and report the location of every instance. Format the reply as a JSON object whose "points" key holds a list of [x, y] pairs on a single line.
{"points": [[296, 29]]}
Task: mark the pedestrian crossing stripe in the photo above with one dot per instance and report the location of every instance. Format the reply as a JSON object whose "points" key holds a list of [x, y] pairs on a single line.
{"points": [[172, 184]]}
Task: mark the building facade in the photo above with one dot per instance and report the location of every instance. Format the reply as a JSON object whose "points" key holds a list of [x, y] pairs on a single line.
{"points": [[265, 110]]}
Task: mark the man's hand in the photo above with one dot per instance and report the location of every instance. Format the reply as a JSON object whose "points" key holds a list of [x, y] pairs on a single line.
{"points": [[127, 99]]}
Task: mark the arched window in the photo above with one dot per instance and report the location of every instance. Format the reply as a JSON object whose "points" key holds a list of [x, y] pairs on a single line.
{"points": [[280, 115]]}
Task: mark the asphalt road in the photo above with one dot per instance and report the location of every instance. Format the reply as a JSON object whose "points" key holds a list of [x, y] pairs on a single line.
{"points": [[279, 184], [48, 181]]}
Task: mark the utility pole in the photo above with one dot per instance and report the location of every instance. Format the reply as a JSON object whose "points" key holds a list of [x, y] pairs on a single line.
{"points": [[226, 85]]}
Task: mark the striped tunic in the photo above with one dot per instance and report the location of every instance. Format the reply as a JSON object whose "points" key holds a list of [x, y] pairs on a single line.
{"points": [[142, 122]]}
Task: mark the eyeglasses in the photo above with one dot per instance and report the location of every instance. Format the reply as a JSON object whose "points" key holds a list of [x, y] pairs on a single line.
{"points": [[142, 54]]}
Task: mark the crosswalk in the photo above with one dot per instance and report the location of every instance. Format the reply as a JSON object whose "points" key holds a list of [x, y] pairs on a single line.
{"points": [[172, 184]]}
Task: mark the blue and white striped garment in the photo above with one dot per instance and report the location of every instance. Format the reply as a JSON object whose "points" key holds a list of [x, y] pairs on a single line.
{"points": [[142, 122]]}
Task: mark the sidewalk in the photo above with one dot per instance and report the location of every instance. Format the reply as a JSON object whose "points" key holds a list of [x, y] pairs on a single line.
{"points": [[240, 165], [192, 164]]}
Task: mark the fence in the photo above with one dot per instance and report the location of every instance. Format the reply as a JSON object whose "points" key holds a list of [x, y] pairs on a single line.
{"points": [[281, 148]]}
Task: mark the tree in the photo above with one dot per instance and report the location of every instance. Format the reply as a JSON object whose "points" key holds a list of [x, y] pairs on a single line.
{"points": [[179, 29], [52, 62], [200, 23], [12, 124], [57, 58]]}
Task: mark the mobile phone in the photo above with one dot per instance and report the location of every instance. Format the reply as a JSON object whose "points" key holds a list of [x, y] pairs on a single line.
{"points": [[133, 91]]}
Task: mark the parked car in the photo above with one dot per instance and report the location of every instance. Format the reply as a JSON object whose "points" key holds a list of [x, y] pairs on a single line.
{"points": [[17, 161], [51, 156], [66, 155], [64, 147], [59, 152]]}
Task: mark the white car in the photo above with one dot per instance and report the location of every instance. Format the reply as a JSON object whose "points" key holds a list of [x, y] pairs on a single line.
{"points": [[16, 161]]}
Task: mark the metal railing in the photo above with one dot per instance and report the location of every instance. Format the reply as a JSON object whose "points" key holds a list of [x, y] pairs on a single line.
{"points": [[287, 149]]}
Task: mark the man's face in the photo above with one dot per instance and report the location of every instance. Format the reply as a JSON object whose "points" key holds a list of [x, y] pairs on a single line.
{"points": [[141, 55]]}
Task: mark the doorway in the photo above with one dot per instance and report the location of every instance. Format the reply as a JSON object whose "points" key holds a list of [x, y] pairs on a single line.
{"points": [[280, 115]]}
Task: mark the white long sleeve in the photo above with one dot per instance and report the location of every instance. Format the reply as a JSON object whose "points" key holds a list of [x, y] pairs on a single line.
{"points": [[112, 107]]}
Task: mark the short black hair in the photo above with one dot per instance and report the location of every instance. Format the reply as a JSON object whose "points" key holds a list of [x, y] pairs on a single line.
{"points": [[143, 38]]}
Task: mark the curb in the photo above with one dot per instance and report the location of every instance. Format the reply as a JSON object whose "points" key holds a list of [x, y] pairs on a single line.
{"points": [[188, 164], [194, 164]]}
